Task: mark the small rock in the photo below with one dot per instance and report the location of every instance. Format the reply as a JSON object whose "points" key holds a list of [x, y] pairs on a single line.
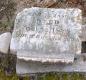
{"points": [[5, 39]]}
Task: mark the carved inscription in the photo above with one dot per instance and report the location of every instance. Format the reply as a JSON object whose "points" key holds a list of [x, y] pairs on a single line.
{"points": [[49, 30]]}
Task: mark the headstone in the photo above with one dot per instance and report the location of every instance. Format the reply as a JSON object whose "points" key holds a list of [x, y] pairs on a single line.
{"points": [[47, 34], [53, 58], [5, 40]]}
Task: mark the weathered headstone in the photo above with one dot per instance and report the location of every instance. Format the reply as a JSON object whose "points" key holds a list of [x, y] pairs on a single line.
{"points": [[5, 40], [47, 35]]}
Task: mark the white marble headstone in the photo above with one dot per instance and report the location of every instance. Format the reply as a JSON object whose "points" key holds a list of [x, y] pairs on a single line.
{"points": [[47, 34]]}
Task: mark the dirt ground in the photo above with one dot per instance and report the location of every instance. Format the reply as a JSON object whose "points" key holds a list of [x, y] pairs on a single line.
{"points": [[52, 4]]}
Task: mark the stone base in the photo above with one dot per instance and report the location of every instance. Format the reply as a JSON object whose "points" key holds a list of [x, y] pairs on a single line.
{"points": [[24, 67]]}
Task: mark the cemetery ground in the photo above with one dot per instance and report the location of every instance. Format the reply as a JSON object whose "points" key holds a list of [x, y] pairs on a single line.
{"points": [[7, 72], [8, 62]]}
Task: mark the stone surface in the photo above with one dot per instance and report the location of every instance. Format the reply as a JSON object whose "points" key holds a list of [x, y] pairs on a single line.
{"points": [[84, 32], [24, 67], [47, 31], [84, 29], [5, 40], [63, 58]]}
